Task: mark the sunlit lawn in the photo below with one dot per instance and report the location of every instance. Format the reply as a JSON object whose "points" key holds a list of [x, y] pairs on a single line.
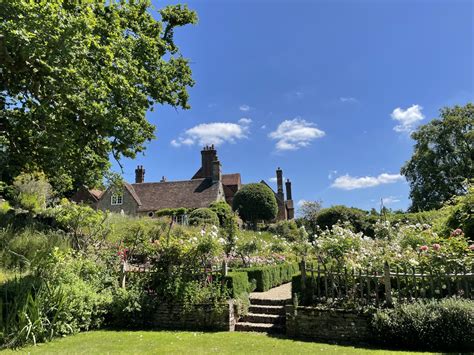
{"points": [[177, 342]]}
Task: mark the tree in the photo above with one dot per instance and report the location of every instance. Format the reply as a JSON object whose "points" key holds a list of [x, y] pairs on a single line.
{"points": [[359, 220], [309, 211], [443, 158], [76, 79], [255, 202]]}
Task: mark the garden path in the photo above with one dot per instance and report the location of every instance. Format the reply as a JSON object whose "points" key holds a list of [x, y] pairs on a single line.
{"points": [[282, 292]]}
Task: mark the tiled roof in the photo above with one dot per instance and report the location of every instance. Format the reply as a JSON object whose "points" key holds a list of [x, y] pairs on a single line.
{"points": [[96, 193], [174, 194]]}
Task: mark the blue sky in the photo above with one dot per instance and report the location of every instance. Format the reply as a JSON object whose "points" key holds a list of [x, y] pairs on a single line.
{"points": [[327, 90]]}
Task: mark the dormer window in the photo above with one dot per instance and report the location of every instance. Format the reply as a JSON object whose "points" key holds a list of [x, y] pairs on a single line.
{"points": [[116, 199]]}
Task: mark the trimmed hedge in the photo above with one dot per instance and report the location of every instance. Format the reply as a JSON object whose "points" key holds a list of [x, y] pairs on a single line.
{"points": [[270, 276], [446, 324], [237, 283]]}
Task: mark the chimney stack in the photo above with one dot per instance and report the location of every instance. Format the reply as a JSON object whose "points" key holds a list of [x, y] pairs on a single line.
{"points": [[139, 174], [288, 189], [279, 174], [216, 170], [208, 156]]}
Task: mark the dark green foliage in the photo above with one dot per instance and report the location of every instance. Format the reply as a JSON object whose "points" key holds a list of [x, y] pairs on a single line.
{"points": [[358, 219], [285, 229], [67, 295], [76, 70], [462, 215], [203, 216], [270, 276], [446, 324], [222, 209], [172, 212], [255, 202], [237, 283], [443, 158]]}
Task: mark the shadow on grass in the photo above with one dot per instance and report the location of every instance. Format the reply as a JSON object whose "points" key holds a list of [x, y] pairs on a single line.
{"points": [[368, 346]]}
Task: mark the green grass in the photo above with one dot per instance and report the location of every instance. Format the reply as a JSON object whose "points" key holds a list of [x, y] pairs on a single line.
{"points": [[175, 342]]}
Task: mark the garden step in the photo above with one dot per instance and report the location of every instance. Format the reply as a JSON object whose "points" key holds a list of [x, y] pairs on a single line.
{"points": [[268, 302], [263, 318], [267, 309], [258, 327]]}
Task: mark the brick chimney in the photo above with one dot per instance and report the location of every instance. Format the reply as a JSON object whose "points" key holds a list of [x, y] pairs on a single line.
{"points": [[139, 174], [208, 156], [288, 189], [279, 174], [216, 170]]}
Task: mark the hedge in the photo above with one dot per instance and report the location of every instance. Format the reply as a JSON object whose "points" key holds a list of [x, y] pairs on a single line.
{"points": [[446, 324], [237, 283], [270, 276]]}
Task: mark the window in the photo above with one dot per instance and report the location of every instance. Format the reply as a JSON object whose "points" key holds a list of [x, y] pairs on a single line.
{"points": [[116, 199]]}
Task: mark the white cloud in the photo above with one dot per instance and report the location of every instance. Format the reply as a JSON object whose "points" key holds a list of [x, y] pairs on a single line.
{"points": [[294, 134], [390, 200], [408, 118], [263, 127], [347, 182], [348, 99], [245, 121], [215, 133], [244, 108]]}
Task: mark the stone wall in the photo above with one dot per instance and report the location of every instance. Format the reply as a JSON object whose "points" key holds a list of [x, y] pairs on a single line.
{"points": [[199, 317], [327, 325]]}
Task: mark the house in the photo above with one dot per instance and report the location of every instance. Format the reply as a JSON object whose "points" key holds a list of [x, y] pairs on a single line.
{"points": [[207, 185]]}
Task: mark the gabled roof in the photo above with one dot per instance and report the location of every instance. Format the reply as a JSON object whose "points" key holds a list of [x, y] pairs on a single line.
{"points": [[194, 193], [231, 179], [96, 193]]}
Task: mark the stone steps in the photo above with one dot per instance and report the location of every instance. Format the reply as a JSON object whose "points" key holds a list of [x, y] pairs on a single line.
{"points": [[264, 318], [268, 302], [258, 327], [265, 315], [261, 309]]}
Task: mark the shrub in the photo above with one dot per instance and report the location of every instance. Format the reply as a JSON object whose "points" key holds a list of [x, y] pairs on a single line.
{"points": [[255, 202], [222, 209], [32, 191], [462, 215], [358, 219], [267, 277], [237, 283], [4, 207], [285, 229], [446, 324], [203, 216], [67, 295]]}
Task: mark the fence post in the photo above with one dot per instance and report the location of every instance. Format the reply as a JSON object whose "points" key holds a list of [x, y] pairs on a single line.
{"points": [[124, 273], [303, 277], [225, 267], [388, 284]]}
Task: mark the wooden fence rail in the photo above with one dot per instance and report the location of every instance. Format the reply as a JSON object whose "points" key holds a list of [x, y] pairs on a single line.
{"points": [[320, 284]]}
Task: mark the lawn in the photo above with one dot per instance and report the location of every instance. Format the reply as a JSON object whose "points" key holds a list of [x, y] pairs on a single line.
{"points": [[174, 342]]}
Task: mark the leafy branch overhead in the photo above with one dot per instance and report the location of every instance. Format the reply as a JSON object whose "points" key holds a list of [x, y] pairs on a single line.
{"points": [[76, 80]]}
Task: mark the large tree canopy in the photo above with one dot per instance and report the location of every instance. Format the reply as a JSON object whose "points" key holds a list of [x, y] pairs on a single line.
{"points": [[255, 202], [443, 158], [76, 79]]}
